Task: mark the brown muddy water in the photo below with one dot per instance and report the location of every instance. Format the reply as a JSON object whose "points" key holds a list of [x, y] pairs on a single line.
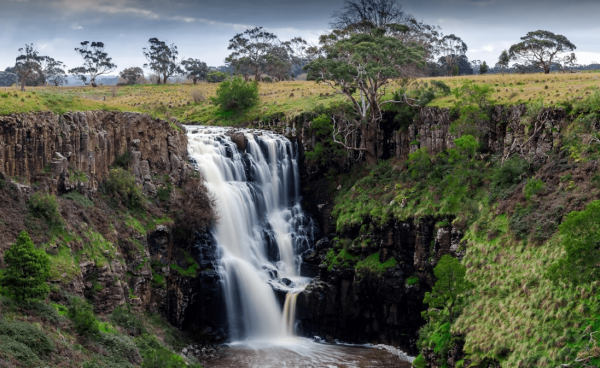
{"points": [[300, 352]]}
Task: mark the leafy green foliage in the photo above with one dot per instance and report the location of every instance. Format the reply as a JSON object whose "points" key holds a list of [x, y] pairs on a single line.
{"points": [[447, 293], [157, 356], [83, 318], [533, 187], [506, 177], [123, 160], [79, 198], [127, 320], [236, 94], [473, 103], [29, 335], [26, 271], [121, 184], [580, 236], [44, 206]]}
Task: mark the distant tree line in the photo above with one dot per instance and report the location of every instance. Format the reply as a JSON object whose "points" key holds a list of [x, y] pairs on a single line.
{"points": [[260, 55]]}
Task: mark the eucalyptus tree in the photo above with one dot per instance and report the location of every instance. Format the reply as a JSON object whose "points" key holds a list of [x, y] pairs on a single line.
{"points": [[503, 61], [163, 59], [96, 62], [360, 66], [195, 69], [451, 49], [28, 65], [132, 75], [250, 52], [541, 48], [54, 72]]}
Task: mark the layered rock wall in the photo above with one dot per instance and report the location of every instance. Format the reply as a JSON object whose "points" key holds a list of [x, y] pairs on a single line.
{"points": [[79, 148]]}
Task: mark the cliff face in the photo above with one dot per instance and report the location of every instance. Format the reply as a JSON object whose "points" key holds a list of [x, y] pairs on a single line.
{"points": [[104, 251], [376, 307], [356, 306], [77, 149]]}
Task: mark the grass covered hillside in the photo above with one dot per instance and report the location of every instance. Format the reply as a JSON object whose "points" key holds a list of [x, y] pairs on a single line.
{"points": [[530, 233], [283, 101]]}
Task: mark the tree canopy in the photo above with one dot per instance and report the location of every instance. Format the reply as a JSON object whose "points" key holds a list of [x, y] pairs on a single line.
{"points": [[132, 75], [27, 269], [449, 287], [28, 65], [580, 236], [363, 63], [95, 62], [541, 48], [195, 69], [163, 59]]}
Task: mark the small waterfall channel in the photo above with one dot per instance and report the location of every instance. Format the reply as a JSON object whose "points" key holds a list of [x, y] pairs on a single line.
{"points": [[262, 230]]}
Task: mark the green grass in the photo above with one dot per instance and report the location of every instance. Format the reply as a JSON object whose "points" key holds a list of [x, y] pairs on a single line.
{"points": [[413, 280], [372, 265]]}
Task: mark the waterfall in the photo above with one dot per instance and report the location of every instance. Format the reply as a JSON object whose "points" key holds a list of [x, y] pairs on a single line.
{"points": [[262, 230]]}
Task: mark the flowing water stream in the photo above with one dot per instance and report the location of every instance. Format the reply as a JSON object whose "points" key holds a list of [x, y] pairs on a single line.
{"points": [[261, 235]]}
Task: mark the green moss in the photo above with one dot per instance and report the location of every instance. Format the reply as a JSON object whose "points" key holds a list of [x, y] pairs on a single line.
{"points": [[413, 280], [371, 264], [158, 281], [342, 259]]}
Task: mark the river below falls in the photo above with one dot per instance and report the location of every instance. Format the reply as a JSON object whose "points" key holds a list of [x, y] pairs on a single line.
{"points": [[300, 352]]}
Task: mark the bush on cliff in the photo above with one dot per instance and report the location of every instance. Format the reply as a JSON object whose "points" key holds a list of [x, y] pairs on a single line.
{"points": [[44, 206], [26, 271], [236, 95], [121, 184], [83, 318]]}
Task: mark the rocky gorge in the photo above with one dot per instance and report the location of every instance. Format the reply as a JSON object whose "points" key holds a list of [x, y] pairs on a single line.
{"points": [[165, 268]]}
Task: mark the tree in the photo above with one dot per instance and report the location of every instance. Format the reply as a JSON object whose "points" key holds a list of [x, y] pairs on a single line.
{"points": [[28, 65], [132, 75], [580, 236], [541, 48], [503, 61], [53, 71], [82, 315], [452, 48], [236, 94], [27, 269], [7, 79], [195, 69], [363, 63], [162, 59], [95, 62], [215, 76], [251, 50], [449, 287], [483, 68], [370, 15]]}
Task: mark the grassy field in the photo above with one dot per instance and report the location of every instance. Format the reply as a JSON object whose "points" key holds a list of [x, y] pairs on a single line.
{"points": [[284, 100]]}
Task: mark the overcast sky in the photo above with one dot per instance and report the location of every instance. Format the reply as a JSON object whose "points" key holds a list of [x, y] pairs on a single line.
{"points": [[202, 28]]}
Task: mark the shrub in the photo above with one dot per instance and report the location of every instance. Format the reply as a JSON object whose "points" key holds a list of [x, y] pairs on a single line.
{"points": [[507, 176], [236, 94], [533, 187], [44, 206], [29, 335], [83, 318], [123, 160], [580, 236], [194, 206], [122, 184], [79, 198], [26, 271], [121, 346], [17, 350], [123, 318], [157, 356]]}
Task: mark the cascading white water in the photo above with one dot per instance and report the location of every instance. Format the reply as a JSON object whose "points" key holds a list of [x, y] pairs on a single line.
{"points": [[262, 230]]}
